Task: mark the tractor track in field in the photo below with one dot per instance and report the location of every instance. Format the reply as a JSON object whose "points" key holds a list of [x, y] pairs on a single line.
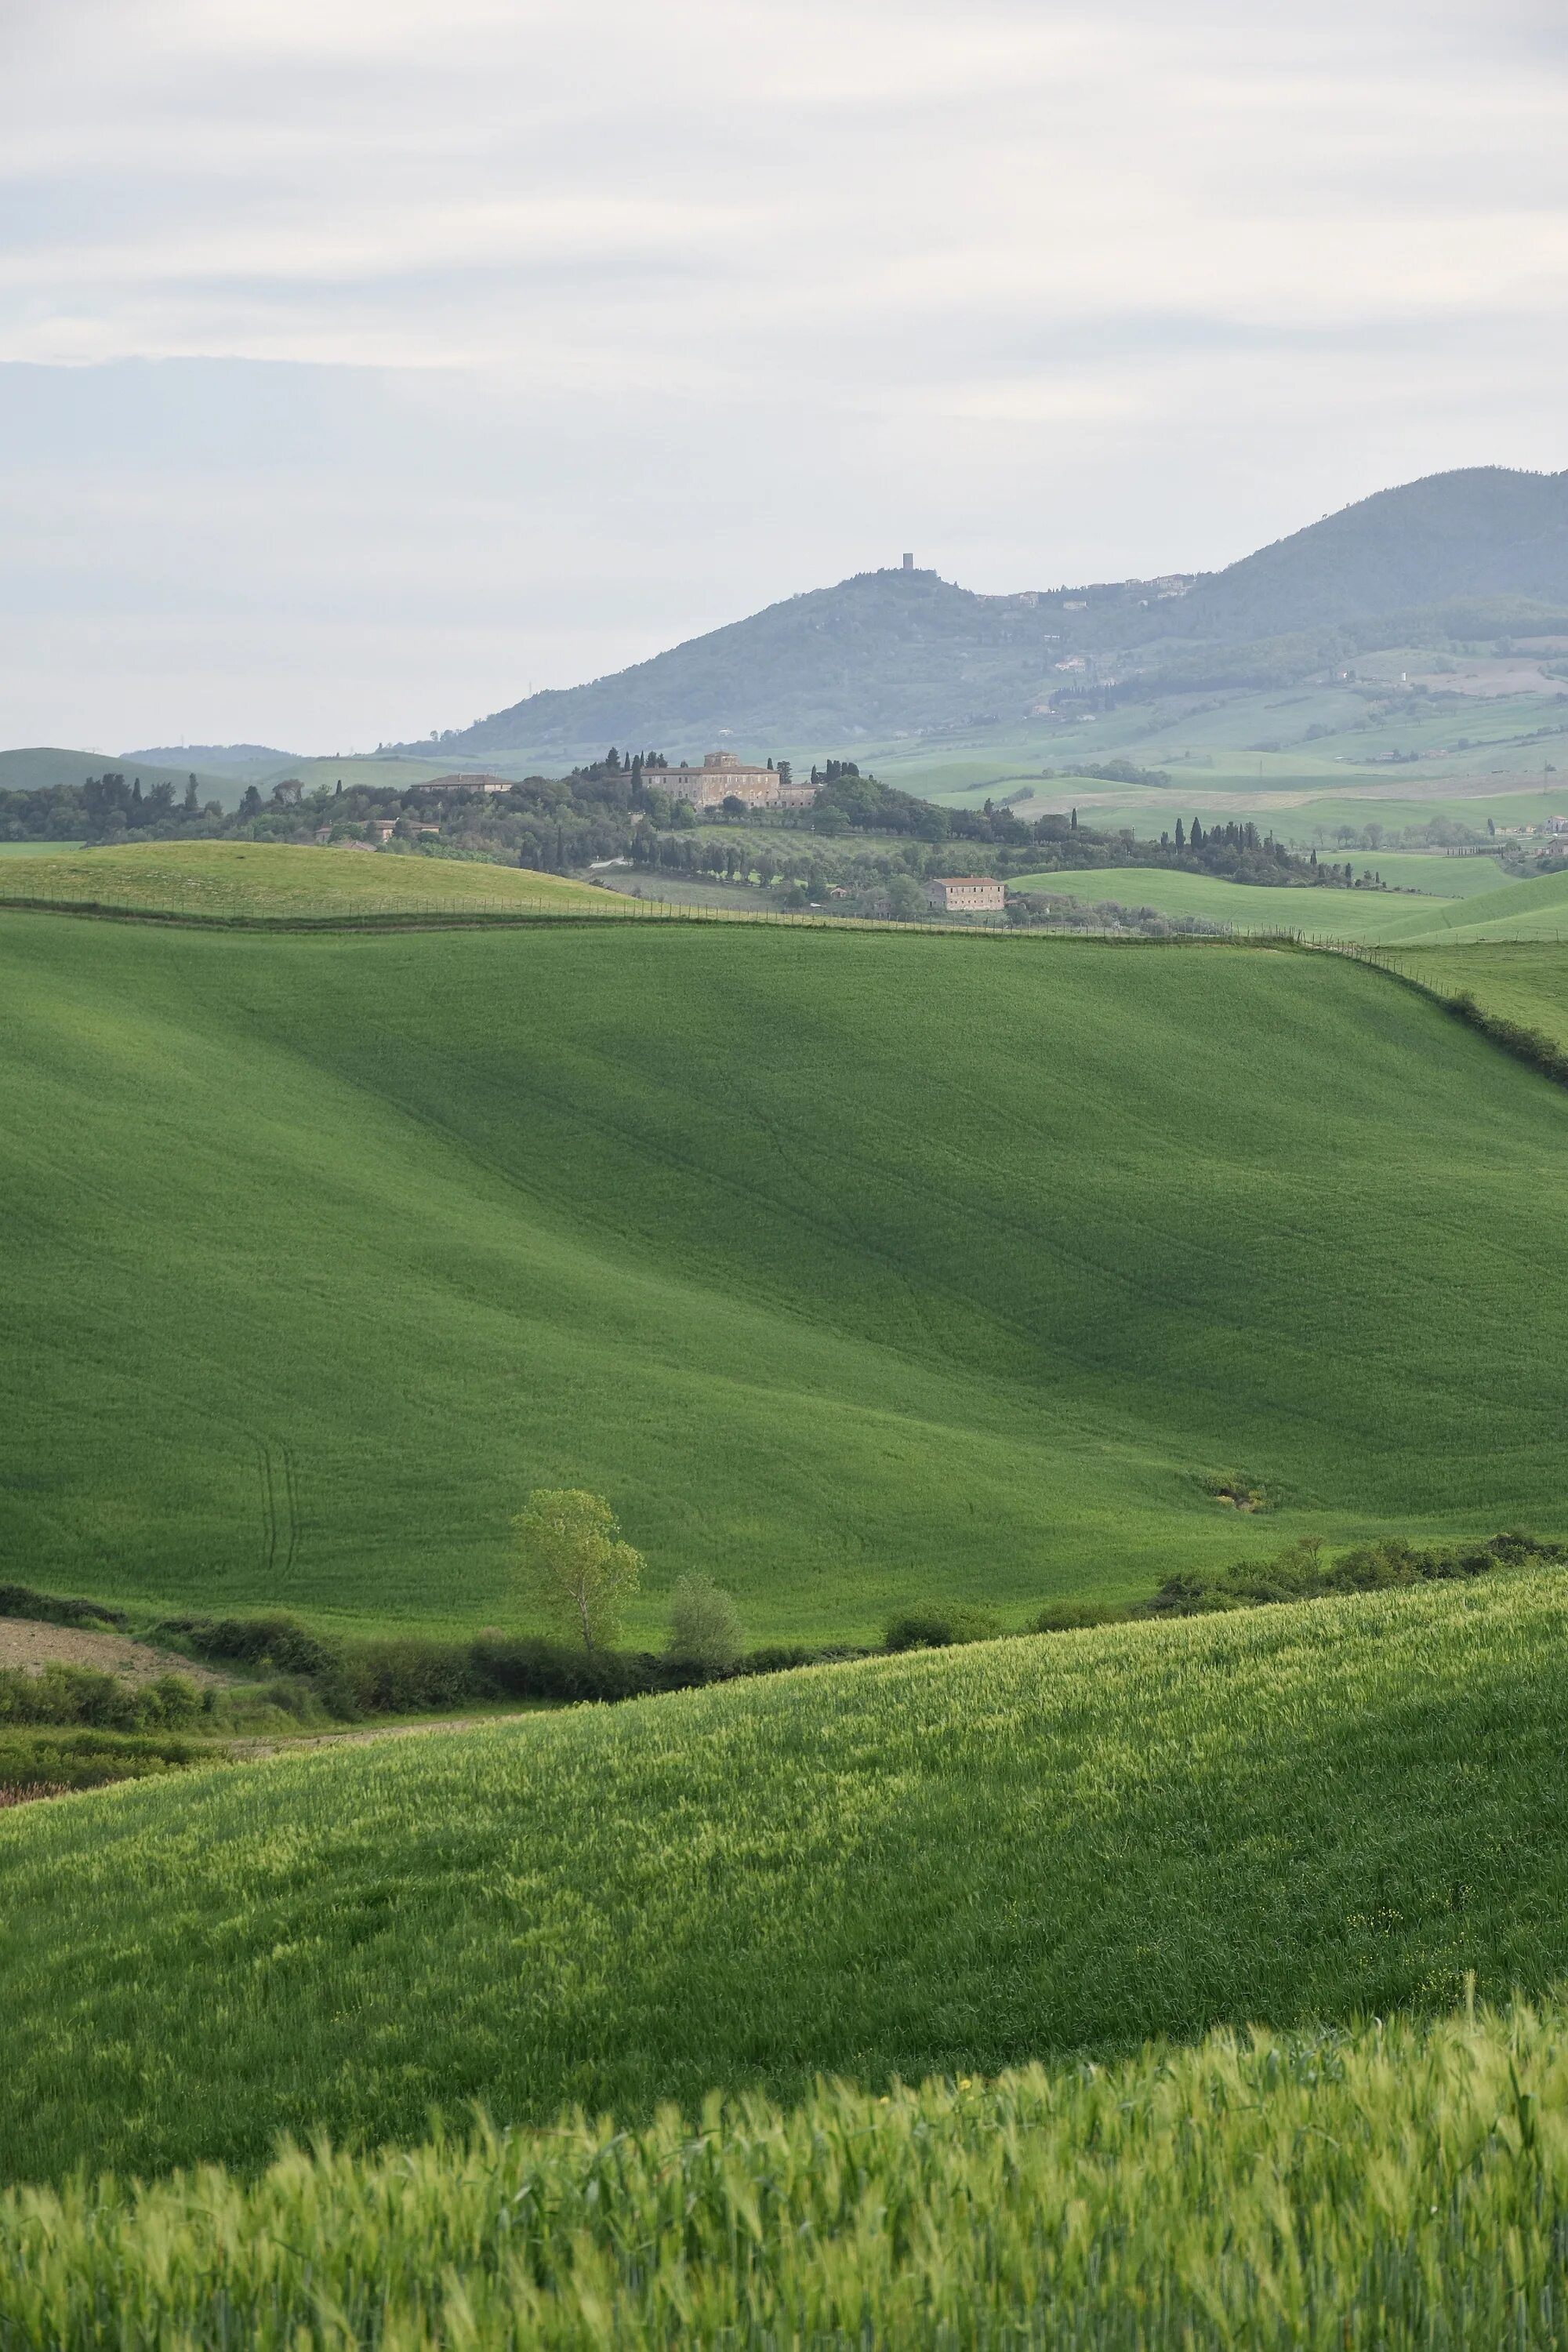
{"points": [[258, 1750], [269, 1455]]}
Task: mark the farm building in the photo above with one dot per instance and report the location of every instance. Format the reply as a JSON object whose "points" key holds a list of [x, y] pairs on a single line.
{"points": [[966, 893]]}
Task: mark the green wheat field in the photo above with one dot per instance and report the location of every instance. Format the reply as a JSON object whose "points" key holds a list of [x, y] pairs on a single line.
{"points": [[858, 1269], [1192, 1982]]}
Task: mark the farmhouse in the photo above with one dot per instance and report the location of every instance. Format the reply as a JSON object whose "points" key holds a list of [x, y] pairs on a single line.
{"points": [[465, 785], [723, 776], [966, 893]]}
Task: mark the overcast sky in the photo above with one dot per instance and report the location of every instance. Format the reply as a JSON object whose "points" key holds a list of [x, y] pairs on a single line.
{"points": [[365, 363]]}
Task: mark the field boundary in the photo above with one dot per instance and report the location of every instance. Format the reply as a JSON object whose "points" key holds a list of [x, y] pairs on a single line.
{"points": [[1532, 1047], [526, 914]]}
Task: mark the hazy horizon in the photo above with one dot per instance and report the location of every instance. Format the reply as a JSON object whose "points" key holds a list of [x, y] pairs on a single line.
{"points": [[362, 368]]}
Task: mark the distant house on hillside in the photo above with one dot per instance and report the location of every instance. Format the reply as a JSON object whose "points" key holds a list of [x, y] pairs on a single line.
{"points": [[966, 893], [724, 776], [465, 785], [384, 827]]}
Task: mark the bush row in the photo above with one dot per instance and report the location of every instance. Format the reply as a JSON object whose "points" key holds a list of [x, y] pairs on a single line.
{"points": [[1530, 1046], [1306, 1571], [55, 1608], [409, 1674], [414, 1674], [51, 1761], [77, 1694]]}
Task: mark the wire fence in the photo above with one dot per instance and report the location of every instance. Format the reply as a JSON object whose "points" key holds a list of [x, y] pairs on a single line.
{"points": [[200, 905]]}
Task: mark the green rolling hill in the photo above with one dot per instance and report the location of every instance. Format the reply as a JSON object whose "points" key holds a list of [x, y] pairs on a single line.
{"points": [[1247, 907], [1537, 908], [858, 1268], [941, 1864], [246, 880], [1525, 982]]}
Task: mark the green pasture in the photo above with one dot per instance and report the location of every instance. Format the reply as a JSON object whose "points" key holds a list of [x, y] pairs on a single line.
{"points": [[1430, 874], [941, 1864], [29, 850], [264, 879], [856, 1267], [1525, 982], [1535, 910], [1388, 2191], [1316, 913]]}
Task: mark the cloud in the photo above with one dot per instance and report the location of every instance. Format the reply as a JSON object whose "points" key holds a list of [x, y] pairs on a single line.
{"points": [[678, 308]]}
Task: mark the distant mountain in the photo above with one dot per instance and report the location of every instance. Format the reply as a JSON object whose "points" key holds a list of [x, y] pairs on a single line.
{"points": [[895, 652], [881, 652], [42, 765], [1483, 532], [246, 761]]}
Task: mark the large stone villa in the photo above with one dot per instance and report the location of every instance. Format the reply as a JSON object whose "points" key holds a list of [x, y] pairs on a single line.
{"points": [[723, 776]]}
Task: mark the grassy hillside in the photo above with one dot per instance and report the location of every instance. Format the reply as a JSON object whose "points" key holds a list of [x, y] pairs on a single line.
{"points": [[236, 878], [1325, 914], [945, 1863], [1527, 984], [1432, 877], [1517, 910], [856, 1267], [33, 769], [1142, 2205]]}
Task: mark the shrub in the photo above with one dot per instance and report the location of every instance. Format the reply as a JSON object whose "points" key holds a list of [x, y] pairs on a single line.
{"points": [[1306, 1572], [1075, 1616], [273, 1641], [77, 1694], [937, 1626], [55, 1759], [55, 1608], [399, 1674], [705, 1628], [507, 1666]]}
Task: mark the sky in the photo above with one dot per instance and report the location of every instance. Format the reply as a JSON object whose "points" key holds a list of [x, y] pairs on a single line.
{"points": [[366, 363]]}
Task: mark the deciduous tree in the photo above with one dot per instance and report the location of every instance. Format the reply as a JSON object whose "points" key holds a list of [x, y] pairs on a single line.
{"points": [[570, 1562]]}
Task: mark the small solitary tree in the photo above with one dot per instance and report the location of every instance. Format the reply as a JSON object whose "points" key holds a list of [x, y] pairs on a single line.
{"points": [[572, 1564], [704, 1627]]}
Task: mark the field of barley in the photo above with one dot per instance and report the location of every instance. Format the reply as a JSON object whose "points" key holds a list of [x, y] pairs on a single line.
{"points": [[1388, 2189], [946, 1865]]}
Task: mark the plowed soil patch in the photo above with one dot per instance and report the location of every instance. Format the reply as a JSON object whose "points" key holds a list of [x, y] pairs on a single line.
{"points": [[32, 1647]]}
